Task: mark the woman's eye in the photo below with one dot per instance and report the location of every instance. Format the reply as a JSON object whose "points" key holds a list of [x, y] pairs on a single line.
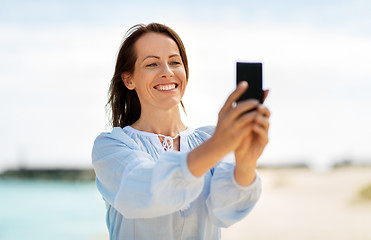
{"points": [[151, 65], [175, 63]]}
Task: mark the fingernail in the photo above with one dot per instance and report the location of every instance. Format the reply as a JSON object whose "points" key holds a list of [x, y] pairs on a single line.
{"points": [[243, 84]]}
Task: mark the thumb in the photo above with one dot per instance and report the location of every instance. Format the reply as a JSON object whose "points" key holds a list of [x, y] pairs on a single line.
{"points": [[265, 94]]}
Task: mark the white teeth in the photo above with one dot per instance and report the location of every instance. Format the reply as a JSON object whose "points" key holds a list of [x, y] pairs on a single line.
{"points": [[166, 87]]}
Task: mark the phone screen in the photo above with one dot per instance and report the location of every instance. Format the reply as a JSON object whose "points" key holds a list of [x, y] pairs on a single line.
{"points": [[251, 73]]}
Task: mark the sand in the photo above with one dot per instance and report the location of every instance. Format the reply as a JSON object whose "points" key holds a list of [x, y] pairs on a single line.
{"points": [[302, 204]]}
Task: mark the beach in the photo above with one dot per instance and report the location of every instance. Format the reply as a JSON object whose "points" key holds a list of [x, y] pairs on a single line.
{"points": [[297, 203]]}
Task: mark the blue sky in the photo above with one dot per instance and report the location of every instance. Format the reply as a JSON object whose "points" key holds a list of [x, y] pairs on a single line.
{"points": [[57, 58], [345, 15]]}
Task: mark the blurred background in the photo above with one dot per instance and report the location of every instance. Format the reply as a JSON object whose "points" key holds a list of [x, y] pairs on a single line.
{"points": [[56, 62]]}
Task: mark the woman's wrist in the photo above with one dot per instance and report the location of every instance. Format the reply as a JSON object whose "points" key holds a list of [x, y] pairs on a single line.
{"points": [[202, 158], [244, 174]]}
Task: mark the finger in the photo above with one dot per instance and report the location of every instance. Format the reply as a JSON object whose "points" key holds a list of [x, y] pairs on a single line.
{"points": [[261, 132], [262, 121], [265, 94], [245, 119], [253, 120], [245, 132], [263, 110], [243, 107], [241, 88]]}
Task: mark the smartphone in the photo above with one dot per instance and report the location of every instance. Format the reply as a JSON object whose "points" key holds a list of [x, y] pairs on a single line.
{"points": [[252, 74]]}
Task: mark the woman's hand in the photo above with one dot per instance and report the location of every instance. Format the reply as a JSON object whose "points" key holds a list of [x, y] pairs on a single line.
{"points": [[252, 145], [233, 125], [231, 133]]}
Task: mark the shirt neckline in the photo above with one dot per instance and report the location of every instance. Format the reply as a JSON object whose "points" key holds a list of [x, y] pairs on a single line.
{"points": [[184, 133]]}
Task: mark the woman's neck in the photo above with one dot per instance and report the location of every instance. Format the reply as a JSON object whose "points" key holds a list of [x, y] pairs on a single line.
{"points": [[165, 122]]}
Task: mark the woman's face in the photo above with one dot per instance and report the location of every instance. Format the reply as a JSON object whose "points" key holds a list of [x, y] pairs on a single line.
{"points": [[159, 76]]}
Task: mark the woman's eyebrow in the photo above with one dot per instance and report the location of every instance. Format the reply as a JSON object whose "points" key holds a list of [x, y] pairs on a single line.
{"points": [[151, 56], [157, 57], [174, 55]]}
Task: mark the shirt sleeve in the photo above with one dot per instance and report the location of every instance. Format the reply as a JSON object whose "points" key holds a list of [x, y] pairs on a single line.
{"points": [[138, 186], [229, 202]]}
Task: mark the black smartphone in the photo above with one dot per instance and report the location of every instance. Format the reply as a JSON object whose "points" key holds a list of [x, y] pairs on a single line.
{"points": [[253, 74]]}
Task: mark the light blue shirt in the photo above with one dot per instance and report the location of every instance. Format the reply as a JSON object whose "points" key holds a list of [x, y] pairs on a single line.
{"points": [[151, 194]]}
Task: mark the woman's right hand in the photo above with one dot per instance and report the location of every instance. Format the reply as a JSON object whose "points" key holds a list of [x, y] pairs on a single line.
{"points": [[233, 124]]}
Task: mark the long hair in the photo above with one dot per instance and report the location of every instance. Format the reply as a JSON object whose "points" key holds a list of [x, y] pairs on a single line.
{"points": [[124, 103]]}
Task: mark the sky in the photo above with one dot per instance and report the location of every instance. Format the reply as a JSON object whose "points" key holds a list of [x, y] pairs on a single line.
{"points": [[57, 59]]}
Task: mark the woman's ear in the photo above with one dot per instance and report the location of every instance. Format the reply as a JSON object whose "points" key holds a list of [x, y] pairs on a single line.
{"points": [[127, 79]]}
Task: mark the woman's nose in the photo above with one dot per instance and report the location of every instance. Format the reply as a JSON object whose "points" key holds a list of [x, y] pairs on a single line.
{"points": [[166, 71]]}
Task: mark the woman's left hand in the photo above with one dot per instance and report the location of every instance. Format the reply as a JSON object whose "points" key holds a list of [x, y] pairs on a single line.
{"points": [[252, 145]]}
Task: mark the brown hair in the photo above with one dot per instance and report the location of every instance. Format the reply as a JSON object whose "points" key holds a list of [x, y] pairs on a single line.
{"points": [[124, 103]]}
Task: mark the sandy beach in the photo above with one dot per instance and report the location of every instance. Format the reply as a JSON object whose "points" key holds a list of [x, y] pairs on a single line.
{"points": [[306, 205]]}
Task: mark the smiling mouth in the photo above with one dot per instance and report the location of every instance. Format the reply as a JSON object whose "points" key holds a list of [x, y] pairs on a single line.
{"points": [[166, 87]]}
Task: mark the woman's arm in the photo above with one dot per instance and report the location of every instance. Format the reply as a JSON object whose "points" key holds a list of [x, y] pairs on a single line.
{"points": [[136, 185], [228, 201], [252, 145], [235, 187], [233, 126]]}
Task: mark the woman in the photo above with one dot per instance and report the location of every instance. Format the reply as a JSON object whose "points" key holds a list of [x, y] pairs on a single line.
{"points": [[161, 179]]}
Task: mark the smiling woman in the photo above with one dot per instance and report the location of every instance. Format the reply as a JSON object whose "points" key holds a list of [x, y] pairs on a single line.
{"points": [[159, 178], [124, 103], [159, 77]]}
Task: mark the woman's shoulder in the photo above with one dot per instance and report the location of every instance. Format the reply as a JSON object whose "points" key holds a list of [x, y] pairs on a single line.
{"points": [[118, 135], [205, 131]]}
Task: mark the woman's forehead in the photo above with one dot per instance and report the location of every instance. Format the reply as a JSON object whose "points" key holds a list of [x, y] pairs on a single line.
{"points": [[155, 44]]}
